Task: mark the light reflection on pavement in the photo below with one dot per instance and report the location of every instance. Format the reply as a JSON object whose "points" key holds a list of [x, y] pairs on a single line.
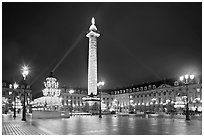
{"points": [[110, 125]]}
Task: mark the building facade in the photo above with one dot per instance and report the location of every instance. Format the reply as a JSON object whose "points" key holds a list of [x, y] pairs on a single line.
{"points": [[160, 96], [14, 97]]}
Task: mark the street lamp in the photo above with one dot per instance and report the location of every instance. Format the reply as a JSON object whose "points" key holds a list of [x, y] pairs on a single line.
{"points": [[71, 92], [25, 72], [15, 86], [116, 105], [131, 105], [186, 80], [154, 100], [100, 84]]}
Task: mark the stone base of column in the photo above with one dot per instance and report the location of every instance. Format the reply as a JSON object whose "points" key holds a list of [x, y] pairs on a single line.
{"points": [[91, 104]]}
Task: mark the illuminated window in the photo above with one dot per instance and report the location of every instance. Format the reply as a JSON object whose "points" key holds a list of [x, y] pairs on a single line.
{"points": [[10, 85], [176, 83], [145, 88]]}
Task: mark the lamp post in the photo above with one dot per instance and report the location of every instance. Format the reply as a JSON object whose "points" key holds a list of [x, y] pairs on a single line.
{"points": [[116, 104], [154, 100], [15, 86], [25, 72], [131, 106], [186, 80], [100, 84], [71, 92]]}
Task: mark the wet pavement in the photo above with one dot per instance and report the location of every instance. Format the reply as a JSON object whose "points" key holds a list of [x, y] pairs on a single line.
{"points": [[11, 126], [121, 125]]}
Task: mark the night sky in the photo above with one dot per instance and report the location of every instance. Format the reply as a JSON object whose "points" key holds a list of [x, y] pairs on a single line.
{"points": [[139, 42]]}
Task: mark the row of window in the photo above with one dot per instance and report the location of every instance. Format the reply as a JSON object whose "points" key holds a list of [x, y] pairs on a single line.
{"points": [[134, 89], [74, 102], [4, 85], [75, 91], [150, 94], [107, 98], [71, 97]]}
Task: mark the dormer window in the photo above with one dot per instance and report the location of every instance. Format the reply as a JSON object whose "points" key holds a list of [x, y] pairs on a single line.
{"points": [[4, 84], [141, 88], [176, 83], [145, 88]]}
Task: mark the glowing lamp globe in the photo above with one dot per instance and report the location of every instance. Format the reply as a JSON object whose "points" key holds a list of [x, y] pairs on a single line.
{"points": [[192, 76], [181, 78], [186, 76]]}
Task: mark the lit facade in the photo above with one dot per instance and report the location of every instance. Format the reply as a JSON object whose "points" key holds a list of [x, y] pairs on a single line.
{"points": [[92, 60], [160, 96], [73, 102], [50, 100], [11, 97]]}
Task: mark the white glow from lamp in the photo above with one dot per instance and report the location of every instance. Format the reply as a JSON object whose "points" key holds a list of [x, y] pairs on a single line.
{"points": [[10, 85], [192, 77], [15, 85], [186, 76], [181, 78], [101, 83], [25, 71], [71, 91]]}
